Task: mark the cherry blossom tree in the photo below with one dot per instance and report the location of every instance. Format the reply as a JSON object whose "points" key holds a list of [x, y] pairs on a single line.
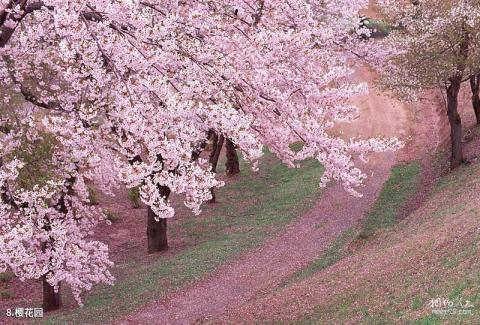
{"points": [[433, 45], [45, 216], [145, 84]]}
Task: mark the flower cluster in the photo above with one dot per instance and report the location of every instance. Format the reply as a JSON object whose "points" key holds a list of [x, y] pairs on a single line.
{"points": [[129, 90]]}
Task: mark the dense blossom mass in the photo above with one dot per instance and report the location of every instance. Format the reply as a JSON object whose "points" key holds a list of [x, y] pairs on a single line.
{"points": [[128, 91]]}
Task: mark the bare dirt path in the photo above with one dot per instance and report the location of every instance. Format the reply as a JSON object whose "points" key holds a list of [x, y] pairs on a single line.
{"points": [[260, 271]]}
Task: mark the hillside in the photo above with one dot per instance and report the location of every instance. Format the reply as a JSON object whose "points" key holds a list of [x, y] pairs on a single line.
{"points": [[422, 270], [239, 162]]}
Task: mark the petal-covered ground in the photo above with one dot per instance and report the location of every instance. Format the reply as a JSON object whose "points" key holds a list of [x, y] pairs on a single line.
{"points": [[257, 274], [394, 277]]}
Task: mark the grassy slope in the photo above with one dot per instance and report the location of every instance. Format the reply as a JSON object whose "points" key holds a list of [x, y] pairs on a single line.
{"points": [[394, 276], [251, 209], [403, 182], [401, 185]]}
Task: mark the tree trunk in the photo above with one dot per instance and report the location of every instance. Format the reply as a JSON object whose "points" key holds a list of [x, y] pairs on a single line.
{"points": [[214, 156], [475, 87], [157, 230], [51, 299], [455, 123], [452, 101], [232, 166]]}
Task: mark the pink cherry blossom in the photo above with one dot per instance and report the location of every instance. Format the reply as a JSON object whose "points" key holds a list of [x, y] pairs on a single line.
{"points": [[130, 89]]}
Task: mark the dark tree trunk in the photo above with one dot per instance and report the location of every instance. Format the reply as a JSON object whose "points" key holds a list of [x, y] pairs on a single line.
{"points": [[214, 156], [157, 229], [232, 166], [216, 150], [51, 299], [452, 101], [475, 87], [455, 123]]}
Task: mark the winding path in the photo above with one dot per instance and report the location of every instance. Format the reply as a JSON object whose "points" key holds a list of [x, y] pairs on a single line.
{"points": [[304, 240]]}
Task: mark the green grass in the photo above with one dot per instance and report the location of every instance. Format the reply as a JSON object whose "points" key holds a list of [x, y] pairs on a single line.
{"points": [[134, 197], [456, 179], [454, 277], [333, 254], [37, 157], [402, 184], [111, 216], [429, 320], [340, 310], [455, 291], [6, 276], [444, 211], [378, 28], [93, 195], [417, 303], [5, 294], [250, 210]]}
